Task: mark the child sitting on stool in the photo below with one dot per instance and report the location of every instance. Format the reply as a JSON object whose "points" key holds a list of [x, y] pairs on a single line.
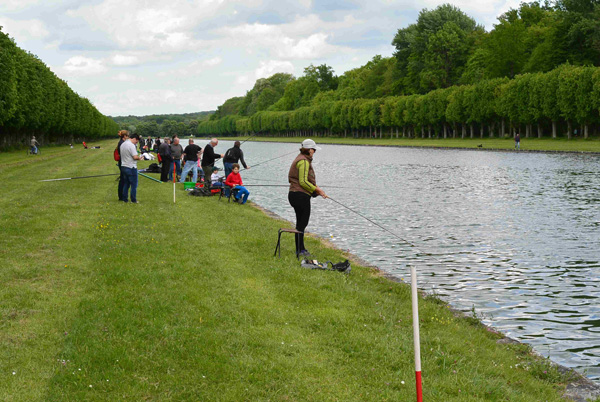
{"points": [[234, 180], [215, 179]]}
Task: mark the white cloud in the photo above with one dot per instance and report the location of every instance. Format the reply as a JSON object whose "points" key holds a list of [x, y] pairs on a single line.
{"points": [[315, 46], [268, 68], [8, 6], [81, 65], [215, 61], [124, 77], [24, 30], [149, 24], [124, 60]]}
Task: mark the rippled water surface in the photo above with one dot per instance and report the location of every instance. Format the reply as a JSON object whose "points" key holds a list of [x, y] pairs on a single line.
{"points": [[516, 235]]}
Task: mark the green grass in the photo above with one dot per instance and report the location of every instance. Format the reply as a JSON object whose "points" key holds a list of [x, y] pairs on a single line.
{"points": [[156, 301], [527, 144]]}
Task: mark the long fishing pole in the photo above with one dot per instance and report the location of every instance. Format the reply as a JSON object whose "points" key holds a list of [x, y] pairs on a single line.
{"points": [[262, 163], [83, 177], [248, 138], [286, 185]]}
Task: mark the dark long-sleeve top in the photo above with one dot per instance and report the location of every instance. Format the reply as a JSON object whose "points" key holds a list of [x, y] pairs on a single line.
{"points": [[233, 155], [164, 149], [209, 157]]}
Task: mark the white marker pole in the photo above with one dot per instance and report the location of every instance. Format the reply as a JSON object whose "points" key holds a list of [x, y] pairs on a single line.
{"points": [[174, 178], [417, 340]]}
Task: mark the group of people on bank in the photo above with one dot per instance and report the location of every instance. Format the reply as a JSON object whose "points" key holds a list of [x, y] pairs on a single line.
{"points": [[175, 160], [301, 175]]}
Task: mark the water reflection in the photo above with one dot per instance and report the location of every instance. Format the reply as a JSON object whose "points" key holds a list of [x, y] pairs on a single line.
{"points": [[513, 234]]}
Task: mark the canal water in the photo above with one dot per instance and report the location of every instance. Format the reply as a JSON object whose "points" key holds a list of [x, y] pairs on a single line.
{"points": [[516, 236]]}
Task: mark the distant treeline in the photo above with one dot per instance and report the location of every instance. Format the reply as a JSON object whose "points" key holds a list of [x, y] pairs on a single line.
{"points": [[163, 125], [534, 71], [567, 98], [34, 101]]}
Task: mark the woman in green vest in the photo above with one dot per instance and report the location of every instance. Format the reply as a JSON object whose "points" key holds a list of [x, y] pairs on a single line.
{"points": [[303, 186]]}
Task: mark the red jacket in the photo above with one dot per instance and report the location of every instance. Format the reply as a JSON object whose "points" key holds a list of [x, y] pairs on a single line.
{"points": [[234, 179]]}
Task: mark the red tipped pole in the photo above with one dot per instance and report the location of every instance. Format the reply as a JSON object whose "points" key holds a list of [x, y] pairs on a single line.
{"points": [[174, 179], [417, 340]]}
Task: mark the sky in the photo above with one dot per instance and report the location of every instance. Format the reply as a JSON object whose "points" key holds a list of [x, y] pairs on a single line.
{"points": [[141, 57]]}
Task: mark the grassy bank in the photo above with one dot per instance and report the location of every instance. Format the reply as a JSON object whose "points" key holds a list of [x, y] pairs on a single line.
{"points": [[155, 301], [527, 144]]}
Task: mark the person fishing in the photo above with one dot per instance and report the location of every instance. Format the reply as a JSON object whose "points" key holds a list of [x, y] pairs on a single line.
{"points": [[233, 155], [303, 186]]}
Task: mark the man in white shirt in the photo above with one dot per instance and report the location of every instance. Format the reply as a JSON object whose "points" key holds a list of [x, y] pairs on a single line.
{"points": [[129, 158]]}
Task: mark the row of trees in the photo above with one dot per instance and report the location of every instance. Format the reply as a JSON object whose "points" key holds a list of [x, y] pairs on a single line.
{"points": [[532, 104], [34, 101], [450, 57]]}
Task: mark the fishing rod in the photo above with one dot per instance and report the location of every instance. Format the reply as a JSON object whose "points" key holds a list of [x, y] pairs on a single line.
{"points": [[83, 177], [98, 175], [286, 185], [248, 138], [262, 163]]}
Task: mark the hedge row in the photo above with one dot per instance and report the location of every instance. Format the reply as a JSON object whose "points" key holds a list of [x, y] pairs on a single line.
{"points": [[34, 101]]}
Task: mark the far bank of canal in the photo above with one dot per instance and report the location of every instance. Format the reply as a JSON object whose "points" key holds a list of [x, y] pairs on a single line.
{"points": [[511, 235]]}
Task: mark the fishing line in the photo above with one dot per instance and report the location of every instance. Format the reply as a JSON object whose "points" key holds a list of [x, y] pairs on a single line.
{"points": [[388, 231]]}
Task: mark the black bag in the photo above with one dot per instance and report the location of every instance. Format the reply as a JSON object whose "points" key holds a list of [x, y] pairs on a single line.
{"points": [[200, 192]]}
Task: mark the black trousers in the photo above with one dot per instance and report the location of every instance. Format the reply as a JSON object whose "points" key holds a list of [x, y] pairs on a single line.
{"points": [[166, 165], [301, 204]]}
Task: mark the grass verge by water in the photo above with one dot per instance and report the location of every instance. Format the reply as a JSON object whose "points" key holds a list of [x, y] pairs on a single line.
{"points": [[527, 144], [156, 301]]}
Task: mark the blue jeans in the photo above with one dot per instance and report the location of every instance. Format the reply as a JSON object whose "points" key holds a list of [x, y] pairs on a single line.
{"points": [[190, 165], [33, 149], [178, 164], [242, 193], [131, 181]]}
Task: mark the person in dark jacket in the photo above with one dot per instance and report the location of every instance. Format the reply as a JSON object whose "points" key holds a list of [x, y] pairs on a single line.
{"points": [[303, 186], [209, 157], [233, 155], [165, 155], [123, 136]]}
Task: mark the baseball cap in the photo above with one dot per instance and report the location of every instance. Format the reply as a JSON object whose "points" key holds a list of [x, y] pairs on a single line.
{"points": [[310, 144]]}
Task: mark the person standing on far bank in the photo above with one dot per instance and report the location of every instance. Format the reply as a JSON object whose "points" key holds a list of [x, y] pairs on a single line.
{"points": [[209, 157], [129, 158], [34, 145], [303, 186], [518, 142]]}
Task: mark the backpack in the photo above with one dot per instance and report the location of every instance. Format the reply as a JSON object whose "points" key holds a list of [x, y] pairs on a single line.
{"points": [[116, 154]]}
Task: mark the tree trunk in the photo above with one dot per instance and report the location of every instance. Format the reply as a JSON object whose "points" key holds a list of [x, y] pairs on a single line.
{"points": [[481, 131], [397, 132], [585, 131], [429, 131], [422, 132], [569, 130], [472, 132], [380, 132], [403, 132], [445, 131], [540, 131], [464, 131], [502, 129]]}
